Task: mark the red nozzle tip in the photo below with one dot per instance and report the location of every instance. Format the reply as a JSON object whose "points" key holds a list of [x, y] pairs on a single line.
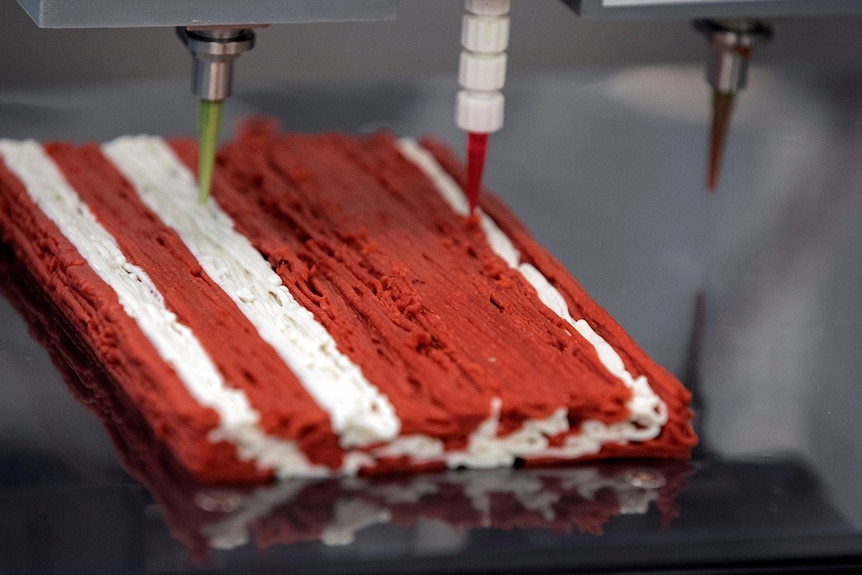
{"points": [[477, 149]]}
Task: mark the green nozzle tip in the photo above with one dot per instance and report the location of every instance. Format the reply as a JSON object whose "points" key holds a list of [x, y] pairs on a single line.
{"points": [[209, 126]]}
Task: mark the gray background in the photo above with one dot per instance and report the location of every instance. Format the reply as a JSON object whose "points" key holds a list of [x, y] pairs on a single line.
{"points": [[425, 38]]}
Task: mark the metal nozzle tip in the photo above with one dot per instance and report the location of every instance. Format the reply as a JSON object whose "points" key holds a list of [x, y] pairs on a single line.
{"points": [[209, 127], [722, 109]]}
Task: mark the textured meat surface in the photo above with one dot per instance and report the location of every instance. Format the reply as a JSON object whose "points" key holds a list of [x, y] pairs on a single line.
{"points": [[453, 336], [410, 290]]}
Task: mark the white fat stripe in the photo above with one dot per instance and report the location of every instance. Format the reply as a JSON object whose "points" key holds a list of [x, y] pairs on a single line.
{"points": [[553, 299], [647, 411], [174, 342], [360, 414]]}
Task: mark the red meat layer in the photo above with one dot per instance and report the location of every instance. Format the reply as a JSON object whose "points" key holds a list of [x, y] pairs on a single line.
{"points": [[243, 359], [410, 291], [414, 295], [92, 309], [677, 436]]}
